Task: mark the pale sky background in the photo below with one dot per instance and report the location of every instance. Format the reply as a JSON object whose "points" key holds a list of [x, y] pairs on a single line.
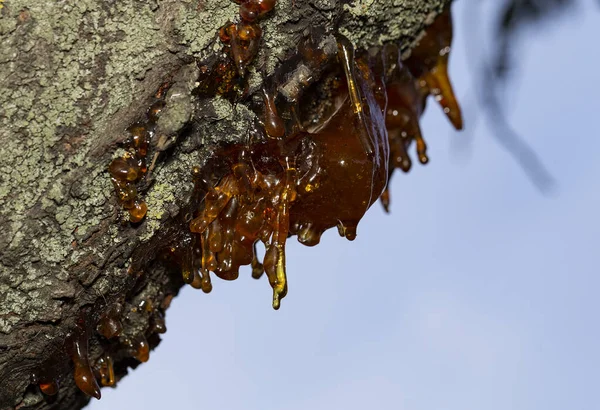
{"points": [[476, 293]]}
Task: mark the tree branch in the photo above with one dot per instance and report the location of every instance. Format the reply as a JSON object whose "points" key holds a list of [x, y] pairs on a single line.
{"points": [[75, 75]]}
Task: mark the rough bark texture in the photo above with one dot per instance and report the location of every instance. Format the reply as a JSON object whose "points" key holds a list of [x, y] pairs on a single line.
{"points": [[74, 75]]}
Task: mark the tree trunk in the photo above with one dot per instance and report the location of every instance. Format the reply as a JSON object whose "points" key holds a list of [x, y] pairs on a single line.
{"points": [[74, 76]]}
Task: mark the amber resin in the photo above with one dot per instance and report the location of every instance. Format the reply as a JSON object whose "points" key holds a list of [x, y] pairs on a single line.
{"points": [[128, 170], [302, 176], [104, 369], [49, 388], [301, 183], [429, 64], [140, 349], [409, 83], [158, 323], [242, 39], [110, 325], [83, 374], [405, 105], [304, 179], [332, 125]]}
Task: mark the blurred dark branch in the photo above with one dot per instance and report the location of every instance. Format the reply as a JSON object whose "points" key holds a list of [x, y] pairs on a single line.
{"points": [[494, 73], [515, 16]]}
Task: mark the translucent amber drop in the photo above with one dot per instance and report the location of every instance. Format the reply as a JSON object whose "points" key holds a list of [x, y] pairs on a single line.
{"points": [[429, 62], [110, 327], [141, 349], [266, 5], [49, 388], [106, 370], [158, 323], [249, 11], [138, 211], [83, 374], [123, 169], [273, 122]]}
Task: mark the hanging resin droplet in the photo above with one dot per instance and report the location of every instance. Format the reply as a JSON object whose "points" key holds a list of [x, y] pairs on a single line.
{"points": [[138, 211], [274, 125], [109, 324], [406, 103], [158, 323], [130, 168], [429, 63], [84, 376], [141, 349], [105, 369], [49, 388], [346, 56], [257, 268]]}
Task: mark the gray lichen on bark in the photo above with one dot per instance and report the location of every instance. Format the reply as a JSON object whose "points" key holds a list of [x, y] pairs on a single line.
{"points": [[74, 74]]}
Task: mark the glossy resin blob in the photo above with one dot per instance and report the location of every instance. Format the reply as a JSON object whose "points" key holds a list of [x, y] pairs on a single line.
{"points": [[301, 183]]}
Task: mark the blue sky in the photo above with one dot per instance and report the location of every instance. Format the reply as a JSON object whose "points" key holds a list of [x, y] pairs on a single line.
{"points": [[477, 292]]}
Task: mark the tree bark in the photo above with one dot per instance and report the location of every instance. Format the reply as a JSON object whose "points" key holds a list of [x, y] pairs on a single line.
{"points": [[74, 76]]}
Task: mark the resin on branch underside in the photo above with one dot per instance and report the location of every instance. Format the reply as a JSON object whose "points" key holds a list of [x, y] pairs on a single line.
{"points": [[331, 125]]}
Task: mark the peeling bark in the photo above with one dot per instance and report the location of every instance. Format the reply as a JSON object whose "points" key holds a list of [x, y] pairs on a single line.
{"points": [[74, 75]]}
